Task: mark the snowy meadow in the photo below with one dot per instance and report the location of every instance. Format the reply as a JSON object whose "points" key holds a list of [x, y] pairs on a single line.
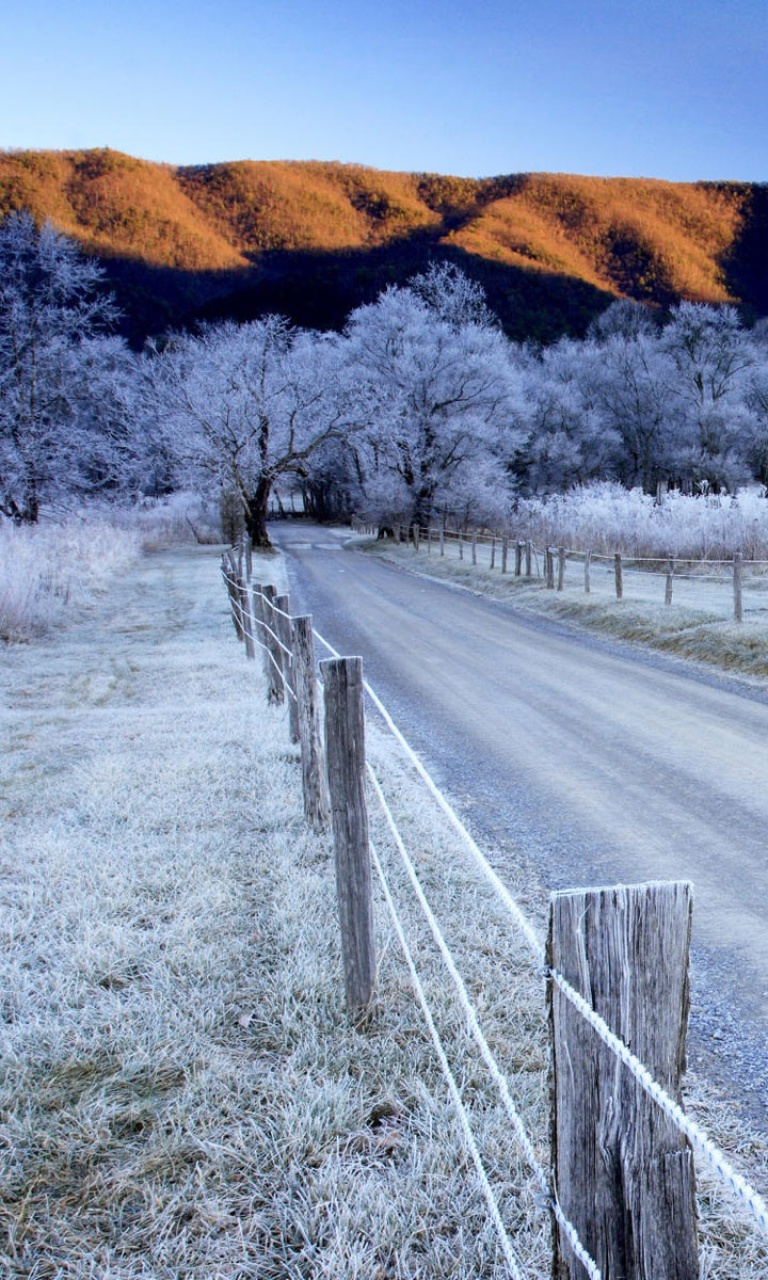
{"points": [[181, 1093]]}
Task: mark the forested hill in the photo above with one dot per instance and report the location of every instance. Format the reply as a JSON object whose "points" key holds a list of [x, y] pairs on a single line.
{"points": [[312, 240]]}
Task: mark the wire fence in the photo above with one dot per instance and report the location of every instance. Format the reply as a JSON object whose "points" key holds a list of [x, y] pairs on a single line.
{"points": [[734, 588], [266, 638]]}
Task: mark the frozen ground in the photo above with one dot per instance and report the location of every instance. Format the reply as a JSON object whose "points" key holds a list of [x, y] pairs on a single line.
{"points": [[181, 1095]]}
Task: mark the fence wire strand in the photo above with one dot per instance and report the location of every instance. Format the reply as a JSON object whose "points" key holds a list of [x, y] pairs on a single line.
{"points": [[486, 1052], [458, 1101], [739, 1185], [696, 1135]]}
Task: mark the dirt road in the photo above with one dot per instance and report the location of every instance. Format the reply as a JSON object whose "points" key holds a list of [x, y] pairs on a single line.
{"points": [[595, 763]]}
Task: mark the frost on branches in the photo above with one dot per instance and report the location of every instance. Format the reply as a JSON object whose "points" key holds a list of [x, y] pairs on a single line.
{"points": [[54, 422]]}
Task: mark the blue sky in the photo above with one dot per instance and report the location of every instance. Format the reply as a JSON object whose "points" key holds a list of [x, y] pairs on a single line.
{"points": [[673, 89]]}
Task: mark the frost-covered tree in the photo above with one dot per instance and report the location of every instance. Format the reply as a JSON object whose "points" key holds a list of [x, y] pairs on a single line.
{"points": [[633, 378], [446, 393], [246, 406], [51, 305], [713, 358], [568, 441]]}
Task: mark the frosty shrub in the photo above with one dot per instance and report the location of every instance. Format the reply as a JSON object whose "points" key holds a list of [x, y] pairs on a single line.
{"points": [[606, 518], [46, 568]]}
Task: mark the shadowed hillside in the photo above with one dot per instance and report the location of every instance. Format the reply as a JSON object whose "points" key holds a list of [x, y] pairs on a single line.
{"points": [[313, 240]]}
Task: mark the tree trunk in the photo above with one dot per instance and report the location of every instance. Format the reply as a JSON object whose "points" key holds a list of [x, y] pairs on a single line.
{"points": [[257, 511]]}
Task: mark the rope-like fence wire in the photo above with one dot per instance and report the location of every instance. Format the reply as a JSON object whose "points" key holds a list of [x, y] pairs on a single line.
{"points": [[486, 1052], [739, 1185], [717, 1160], [458, 1101]]}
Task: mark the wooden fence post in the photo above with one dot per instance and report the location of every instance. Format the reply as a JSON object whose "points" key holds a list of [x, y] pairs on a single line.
{"points": [[246, 618], [493, 552], [504, 553], [442, 539], [345, 755], [668, 583], [528, 558], [519, 548], [549, 568], [738, 607], [284, 629], [260, 634], [312, 760], [230, 582], [474, 546], [624, 1172], [248, 558], [274, 660], [617, 573], [415, 534], [461, 547], [560, 568], [587, 562]]}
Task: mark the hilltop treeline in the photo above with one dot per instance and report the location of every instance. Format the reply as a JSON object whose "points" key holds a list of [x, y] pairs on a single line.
{"points": [[313, 240]]}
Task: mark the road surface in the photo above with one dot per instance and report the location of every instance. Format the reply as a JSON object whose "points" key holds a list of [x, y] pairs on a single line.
{"points": [[598, 763]]}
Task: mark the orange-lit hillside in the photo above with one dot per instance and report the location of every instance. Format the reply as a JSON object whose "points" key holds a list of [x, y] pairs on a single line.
{"points": [[551, 249]]}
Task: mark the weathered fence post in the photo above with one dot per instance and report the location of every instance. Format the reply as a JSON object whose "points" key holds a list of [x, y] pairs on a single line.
{"points": [[461, 547], [474, 546], [519, 548], [415, 534], [260, 633], [442, 539], [248, 558], [617, 573], [312, 761], [624, 1172], [493, 551], [528, 558], [738, 607], [230, 581], [504, 553], [549, 568], [587, 562], [668, 583], [345, 756], [284, 629], [560, 568], [246, 618], [274, 660]]}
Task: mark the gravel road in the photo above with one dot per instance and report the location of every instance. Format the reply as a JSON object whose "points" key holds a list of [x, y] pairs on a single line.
{"points": [[584, 762]]}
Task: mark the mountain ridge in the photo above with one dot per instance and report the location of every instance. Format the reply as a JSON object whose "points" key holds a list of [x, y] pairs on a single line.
{"points": [[315, 238]]}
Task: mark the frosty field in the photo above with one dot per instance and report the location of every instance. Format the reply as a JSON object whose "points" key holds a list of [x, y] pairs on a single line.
{"points": [[181, 1094]]}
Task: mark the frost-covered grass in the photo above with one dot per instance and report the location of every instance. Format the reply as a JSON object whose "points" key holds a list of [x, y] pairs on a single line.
{"points": [[181, 1095], [699, 624], [49, 569], [606, 518]]}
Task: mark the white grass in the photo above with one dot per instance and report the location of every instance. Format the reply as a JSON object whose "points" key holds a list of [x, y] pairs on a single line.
{"points": [[180, 1092], [605, 517], [47, 570]]}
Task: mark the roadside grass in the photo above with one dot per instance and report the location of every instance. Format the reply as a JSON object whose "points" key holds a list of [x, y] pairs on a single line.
{"points": [[52, 569], [698, 624], [181, 1095]]}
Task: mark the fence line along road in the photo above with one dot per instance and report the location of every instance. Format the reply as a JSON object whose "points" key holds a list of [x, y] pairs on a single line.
{"points": [[707, 584], [664, 1220]]}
